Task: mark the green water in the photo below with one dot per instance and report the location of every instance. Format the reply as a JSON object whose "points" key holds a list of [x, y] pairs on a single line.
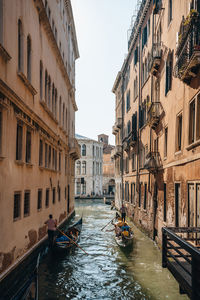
{"points": [[107, 272]]}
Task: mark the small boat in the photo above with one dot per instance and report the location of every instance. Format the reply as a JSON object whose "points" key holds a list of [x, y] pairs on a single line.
{"points": [[70, 239], [123, 235], [29, 289]]}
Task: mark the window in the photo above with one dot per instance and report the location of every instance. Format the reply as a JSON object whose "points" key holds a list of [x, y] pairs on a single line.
{"points": [[63, 117], [179, 133], [66, 119], [65, 193], [59, 163], [53, 99], [139, 204], [55, 159], [194, 120], [168, 73], [78, 168], [20, 46], [46, 156], [145, 196], [47, 198], [136, 56], [46, 86], [84, 188], [54, 195], [165, 144], [128, 101], [28, 146], [19, 142], [59, 192], [135, 88], [26, 203], [144, 36], [78, 187], [29, 58], [128, 127], [41, 153], [84, 167], [39, 203], [60, 110], [83, 150], [169, 11], [41, 80], [133, 161], [17, 206], [49, 91], [55, 108], [49, 160], [1, 21]]}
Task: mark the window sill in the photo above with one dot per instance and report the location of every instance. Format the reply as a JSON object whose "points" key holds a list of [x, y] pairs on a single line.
{"points": [[2, 157], [178, 152], [19, 162], [193, 145], [29, 165], [6, 56], [43, 103], [27, 83]]}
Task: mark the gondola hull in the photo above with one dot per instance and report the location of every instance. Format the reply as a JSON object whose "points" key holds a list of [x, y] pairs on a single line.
{"points": [[66, 246], [124, 242]]}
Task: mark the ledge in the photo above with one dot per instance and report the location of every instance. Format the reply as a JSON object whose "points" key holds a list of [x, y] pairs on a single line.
{"points": [[6, 56], [2, 157], [27, 83], [193, 145], [19, 162], [43, 103], [29, 165]]}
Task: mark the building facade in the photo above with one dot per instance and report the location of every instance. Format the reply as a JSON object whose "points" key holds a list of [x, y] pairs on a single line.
{"points": [[38, 149], [88, 170], [108, 166], [157, 124]]}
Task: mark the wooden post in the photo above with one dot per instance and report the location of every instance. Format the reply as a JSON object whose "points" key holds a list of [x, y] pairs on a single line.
{"points": [[164, 249], [195, 278]]}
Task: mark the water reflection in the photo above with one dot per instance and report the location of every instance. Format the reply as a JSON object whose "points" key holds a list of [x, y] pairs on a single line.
{"points": [[107, 272]]}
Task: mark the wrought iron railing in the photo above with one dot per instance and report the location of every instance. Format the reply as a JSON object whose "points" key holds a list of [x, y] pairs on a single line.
{"points": [[181, 255], [188, 47], [152, 161], [154, 114]]}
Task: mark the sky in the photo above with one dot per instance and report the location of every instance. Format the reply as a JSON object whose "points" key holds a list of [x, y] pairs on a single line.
{"points": [[102, 30]]}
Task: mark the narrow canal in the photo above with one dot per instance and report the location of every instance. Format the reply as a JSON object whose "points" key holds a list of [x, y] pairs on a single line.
{"points": [[107, 272]]}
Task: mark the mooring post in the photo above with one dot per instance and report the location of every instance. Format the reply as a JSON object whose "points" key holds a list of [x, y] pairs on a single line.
{"points": [[164, 248]]}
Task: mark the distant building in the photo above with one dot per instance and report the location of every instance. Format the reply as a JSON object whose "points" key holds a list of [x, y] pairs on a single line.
{"points": [[38, 49], [88, 170], [108, 166]]}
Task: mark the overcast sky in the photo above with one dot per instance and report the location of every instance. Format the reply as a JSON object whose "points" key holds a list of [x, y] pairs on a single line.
{"points": [[101, 28]]}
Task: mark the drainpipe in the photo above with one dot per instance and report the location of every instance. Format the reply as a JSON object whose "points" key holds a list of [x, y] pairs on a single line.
{"points": [[122, 137], [138, 121]]}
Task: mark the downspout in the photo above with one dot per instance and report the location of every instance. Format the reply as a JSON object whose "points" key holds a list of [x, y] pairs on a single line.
{"points": [[138, 121], [122, 137]]}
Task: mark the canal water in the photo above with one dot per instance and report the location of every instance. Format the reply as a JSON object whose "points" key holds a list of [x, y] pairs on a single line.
{"points": [[107, 272]]}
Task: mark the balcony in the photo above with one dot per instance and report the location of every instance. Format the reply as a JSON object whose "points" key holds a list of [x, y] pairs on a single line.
{"points": [[117, 151], [119, 123], [126, 145], [74, 149], [152, 162], [154, 114], [132, 139], [115, 129], [156, 59], [188, 50]]}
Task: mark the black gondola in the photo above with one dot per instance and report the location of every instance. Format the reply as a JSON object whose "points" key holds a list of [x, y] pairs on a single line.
{"points": [[73, 232]]}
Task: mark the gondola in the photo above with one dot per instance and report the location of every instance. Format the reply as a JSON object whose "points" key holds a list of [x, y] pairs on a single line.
{"points": [[62, 243], [29, 289], [124, 239]]}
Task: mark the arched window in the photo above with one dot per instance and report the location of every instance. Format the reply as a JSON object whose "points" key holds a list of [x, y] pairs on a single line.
{"points": [[66, 120], [78, 168], [52, 98], [63, 115], [41, 80], [29, 58], [84, 167], [168, 73], [20, 46], [78, 188], [84, 188], [55, 109], [83, 150]]}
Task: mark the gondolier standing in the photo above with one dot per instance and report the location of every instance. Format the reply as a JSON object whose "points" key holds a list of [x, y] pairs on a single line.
{"points": [[52, 224], [123, 212]]}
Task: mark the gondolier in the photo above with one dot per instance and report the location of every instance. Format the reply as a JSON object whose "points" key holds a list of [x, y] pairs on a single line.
{"points": [[52, 224], [123, 212]]}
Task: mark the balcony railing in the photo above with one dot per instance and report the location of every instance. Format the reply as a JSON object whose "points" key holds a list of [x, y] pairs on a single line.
{"points": [[114, 129], [74, 148], [117, 151], [132, 138], [154, 114], [188, 50], [181, 255], [152, 161], [156, 58]]}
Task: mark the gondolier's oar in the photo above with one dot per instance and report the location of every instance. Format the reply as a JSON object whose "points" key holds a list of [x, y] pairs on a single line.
{"points": [[107, 224], [71, 240]]}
